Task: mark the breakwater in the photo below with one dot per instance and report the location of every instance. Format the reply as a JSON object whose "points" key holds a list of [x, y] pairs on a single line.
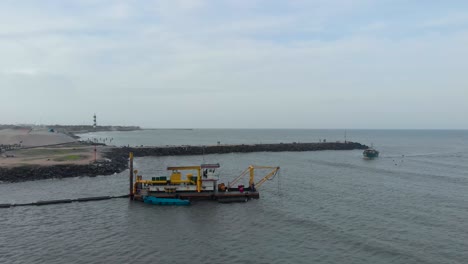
{"points": [[116, 159], [37, 172], [223, 149]]}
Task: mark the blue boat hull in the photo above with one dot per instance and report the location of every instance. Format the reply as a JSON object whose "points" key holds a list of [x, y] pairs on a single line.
{"points": [[165, 201]]}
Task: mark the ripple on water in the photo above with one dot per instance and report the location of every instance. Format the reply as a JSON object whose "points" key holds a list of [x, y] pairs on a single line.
{"points": [[325, 207]]}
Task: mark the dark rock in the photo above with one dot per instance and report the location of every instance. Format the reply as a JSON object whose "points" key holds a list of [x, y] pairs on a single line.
{"points": [[200, 150], [116, 159]]}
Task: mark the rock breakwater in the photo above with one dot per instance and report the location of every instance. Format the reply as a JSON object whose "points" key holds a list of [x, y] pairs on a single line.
{"points": [[116, 159], [37, 172], [223, 149]]}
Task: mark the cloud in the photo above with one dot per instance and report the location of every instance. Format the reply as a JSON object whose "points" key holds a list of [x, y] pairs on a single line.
{"points": [[24, 72], [454, 19], [258, 62]]}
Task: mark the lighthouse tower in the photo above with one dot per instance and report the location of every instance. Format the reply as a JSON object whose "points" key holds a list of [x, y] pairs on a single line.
{"points": [[94, 123]]}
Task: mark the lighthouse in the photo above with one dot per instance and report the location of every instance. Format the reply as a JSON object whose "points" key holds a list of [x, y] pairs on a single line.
{"points": [[94, 123]]}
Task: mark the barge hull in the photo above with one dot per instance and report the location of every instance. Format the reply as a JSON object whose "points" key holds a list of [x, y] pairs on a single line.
{"points": [[219, 196]]}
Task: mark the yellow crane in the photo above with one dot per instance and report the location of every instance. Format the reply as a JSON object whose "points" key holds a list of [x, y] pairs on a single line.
{"points": [[251, 171]]}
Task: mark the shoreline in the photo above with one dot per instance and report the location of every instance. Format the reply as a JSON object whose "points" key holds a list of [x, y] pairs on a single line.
{"points": [[115, 159], [72, 131]]}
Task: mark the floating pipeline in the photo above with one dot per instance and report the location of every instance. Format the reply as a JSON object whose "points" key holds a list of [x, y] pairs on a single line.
{"points": [[64, 201], [117, 158], [165, 201]]}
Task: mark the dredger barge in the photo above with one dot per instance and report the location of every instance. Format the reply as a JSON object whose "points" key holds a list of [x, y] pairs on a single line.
{"points": [[199, 183]]}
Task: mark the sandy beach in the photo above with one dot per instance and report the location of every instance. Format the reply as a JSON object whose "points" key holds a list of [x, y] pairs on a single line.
{"points": [[39, 146], [33, 137]]}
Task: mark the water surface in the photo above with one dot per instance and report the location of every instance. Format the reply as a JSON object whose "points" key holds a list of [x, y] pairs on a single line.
{"points": [[408, 206]]}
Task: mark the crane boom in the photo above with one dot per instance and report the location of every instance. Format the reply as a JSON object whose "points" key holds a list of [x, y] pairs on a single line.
{"points": [[239, 177], [251, 171], [267, 177]]}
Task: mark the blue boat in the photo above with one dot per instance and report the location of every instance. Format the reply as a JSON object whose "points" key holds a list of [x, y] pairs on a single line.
{"points": [[165, 201]]}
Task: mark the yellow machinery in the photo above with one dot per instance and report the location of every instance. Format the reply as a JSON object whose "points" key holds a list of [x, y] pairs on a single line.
{"points": [[251, 171], [176, 175]]}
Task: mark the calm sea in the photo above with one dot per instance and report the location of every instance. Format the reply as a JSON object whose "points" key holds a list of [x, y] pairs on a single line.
{"points": [[408, 206]]}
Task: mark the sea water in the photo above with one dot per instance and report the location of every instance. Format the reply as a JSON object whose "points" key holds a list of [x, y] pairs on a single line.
{"points": [[410, 205]]}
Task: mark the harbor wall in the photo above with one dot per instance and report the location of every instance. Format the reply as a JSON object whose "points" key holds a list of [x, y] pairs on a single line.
{"points": [[243, 148], [37, 172], [117, 158]]}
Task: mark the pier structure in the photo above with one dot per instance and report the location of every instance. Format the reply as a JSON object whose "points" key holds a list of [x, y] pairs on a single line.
{"points": [[185, 150], [116, 158]]}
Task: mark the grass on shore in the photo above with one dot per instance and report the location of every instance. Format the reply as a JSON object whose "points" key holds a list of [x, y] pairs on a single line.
{"points": [[50, 151], [70, 158]]}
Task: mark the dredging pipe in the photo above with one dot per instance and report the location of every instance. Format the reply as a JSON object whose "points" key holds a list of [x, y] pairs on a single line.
{"points": [[63, 201]]}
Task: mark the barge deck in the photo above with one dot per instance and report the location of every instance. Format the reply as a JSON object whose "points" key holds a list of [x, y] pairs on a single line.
{"points": [[201, 186]]}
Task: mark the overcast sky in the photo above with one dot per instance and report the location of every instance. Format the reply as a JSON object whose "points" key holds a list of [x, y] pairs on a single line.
{"points": [[235, 64]]}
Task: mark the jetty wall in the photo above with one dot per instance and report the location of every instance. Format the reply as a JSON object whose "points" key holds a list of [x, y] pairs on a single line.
{"points": [[117, 158], [243, 148], [37, 172]]}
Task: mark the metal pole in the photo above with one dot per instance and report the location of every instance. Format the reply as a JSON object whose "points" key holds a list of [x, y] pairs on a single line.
{"points": [[252, 175], [131, 175]]}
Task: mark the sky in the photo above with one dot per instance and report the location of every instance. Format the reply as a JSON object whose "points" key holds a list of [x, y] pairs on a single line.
{"points": [[352, 64]]}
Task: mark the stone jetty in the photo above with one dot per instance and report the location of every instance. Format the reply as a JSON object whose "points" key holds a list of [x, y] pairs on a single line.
{"points": [[223, 149], [38, 172], [115, 159]]}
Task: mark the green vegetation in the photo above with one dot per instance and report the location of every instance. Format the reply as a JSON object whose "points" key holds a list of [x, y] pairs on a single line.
{"points": [[50, 151], [70, 158]]}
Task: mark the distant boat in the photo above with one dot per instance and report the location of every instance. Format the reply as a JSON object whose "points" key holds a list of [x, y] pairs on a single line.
{"points": [[370, 153]]}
